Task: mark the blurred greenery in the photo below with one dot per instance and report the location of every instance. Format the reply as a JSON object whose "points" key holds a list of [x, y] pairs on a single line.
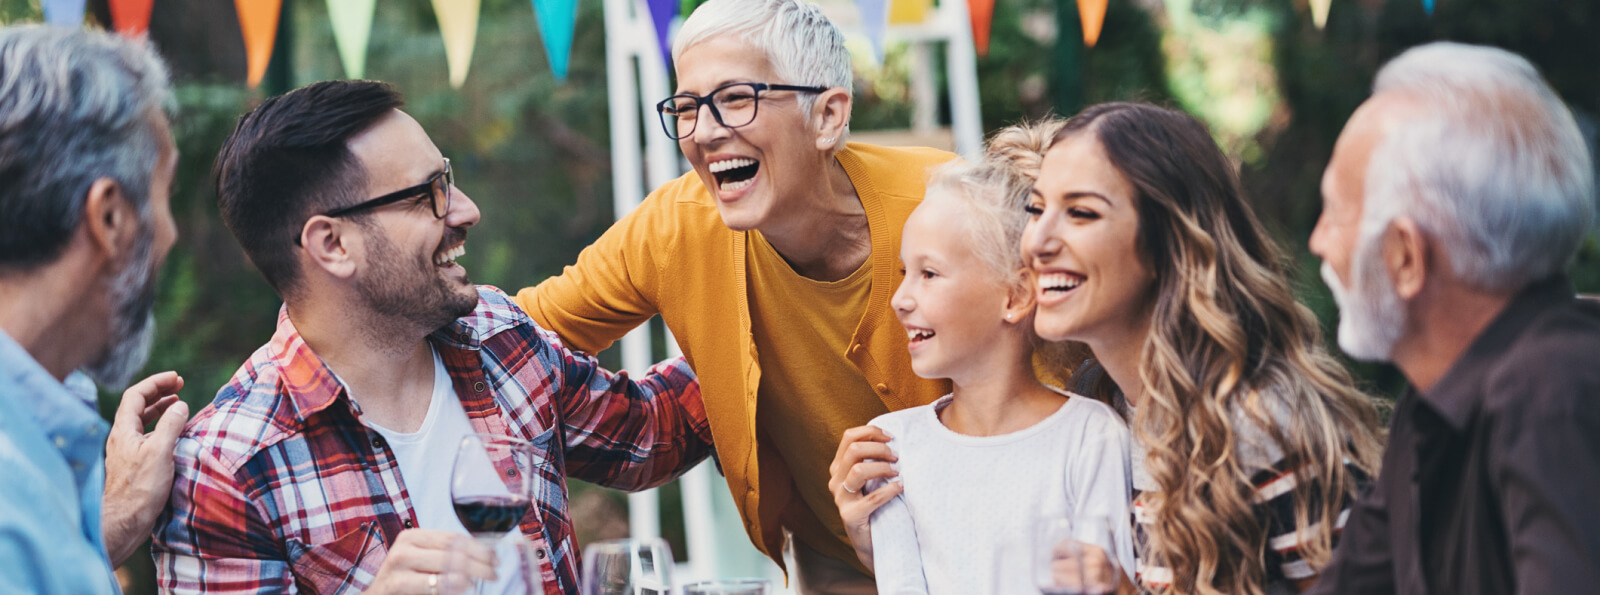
{"points": [[533, 152]]}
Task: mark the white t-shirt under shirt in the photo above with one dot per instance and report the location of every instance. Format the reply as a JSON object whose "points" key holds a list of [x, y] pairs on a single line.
{"points": [[966, 523], [426, 458]]}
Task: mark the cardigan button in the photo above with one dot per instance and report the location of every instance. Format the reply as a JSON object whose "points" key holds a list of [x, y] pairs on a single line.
{"points": [[882, 388], [855, 348]]}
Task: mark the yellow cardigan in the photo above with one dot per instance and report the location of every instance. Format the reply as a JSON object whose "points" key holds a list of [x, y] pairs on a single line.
{"points": [[674, 256]]}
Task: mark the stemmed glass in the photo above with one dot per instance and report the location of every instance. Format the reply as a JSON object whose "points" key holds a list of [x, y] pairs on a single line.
{"points": [[492, 485], [741, 586], [1076, 556], [627, 567]]}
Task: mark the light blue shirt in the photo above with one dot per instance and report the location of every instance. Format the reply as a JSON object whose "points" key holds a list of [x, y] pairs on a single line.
{"points": [[52, 476]]}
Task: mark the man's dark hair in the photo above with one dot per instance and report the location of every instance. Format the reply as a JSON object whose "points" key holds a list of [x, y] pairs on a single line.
{"points": [[289, 159]]}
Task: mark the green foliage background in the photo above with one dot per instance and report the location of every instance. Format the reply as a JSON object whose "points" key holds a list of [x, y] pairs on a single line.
{"points": [[533, 152]]}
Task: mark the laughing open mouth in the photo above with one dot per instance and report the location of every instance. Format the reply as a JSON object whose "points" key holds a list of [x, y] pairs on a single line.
{"points": [[734, 174], [1060, 282]]}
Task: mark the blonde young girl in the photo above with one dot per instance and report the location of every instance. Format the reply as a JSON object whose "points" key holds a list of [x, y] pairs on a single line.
{"points": [[973, 473]]}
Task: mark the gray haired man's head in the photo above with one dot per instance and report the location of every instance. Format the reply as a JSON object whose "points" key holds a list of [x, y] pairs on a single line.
{"points": [[1472, 147], [78, 107]]}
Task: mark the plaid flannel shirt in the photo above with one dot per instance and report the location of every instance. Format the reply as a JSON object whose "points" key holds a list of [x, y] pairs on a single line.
{"points": [[281, 488]]}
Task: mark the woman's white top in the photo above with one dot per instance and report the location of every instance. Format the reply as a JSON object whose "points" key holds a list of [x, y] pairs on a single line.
{"points": [[968, 520]]}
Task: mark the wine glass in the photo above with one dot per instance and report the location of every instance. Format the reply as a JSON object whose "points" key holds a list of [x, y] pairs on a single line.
{"points": [[492, 486], [1076, 556], [627, 567], [738, 586]]}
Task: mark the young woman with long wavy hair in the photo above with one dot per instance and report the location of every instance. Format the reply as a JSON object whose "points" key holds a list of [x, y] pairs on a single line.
{"points": [[1254, 437]]}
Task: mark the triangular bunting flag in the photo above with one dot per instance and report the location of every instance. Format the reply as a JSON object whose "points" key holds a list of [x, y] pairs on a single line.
{"points": [[131, 18], [64, 13], [1093, 15], [874, 21], [982, 12], [458, 25], [352, 28], [1427, 5], [557, 19], [1319, 12], [258, 21], [661, 13], [908, 12]]}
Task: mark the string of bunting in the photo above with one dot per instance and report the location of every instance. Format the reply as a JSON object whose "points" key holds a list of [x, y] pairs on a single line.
{"points": [[557, 20]]}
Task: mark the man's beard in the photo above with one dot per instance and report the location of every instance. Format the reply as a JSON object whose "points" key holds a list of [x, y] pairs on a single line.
{"points": [[1371, 315], [133, 322], [415, 292]]}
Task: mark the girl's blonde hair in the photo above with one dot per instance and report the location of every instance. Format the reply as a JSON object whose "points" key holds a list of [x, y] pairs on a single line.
{"points": [[994, 192], [1232, 361]]}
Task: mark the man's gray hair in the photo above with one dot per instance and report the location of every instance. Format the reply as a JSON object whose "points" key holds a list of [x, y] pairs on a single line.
{"points": [[75, 106], [805, 48], [1491, 164]]}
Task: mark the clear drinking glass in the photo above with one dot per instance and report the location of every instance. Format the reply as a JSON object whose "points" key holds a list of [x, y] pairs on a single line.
{"points": [[738, 586], [627, 567], [1075, 556], [492, 486]]}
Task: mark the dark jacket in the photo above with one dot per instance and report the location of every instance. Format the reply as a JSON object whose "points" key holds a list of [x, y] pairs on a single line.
{"points": [[1491, 481]]}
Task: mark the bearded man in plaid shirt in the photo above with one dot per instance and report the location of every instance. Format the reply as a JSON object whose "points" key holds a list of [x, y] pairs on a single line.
{"points": [[324, 465]]}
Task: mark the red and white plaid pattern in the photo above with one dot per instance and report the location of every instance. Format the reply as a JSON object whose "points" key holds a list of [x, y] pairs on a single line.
{"points": [[281, 488]]}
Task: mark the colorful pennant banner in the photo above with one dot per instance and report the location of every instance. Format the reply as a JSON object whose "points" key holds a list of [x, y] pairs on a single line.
{"points": [[661, 14], [131, 18], [1319, 12], [875, 21], [258, 21], [352, 29], [64, 13], [458, 25], [1427, 5], [1092, 13], [557, 19], [982, 12]]}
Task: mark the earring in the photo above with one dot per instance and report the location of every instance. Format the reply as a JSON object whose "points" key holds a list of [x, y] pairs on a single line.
{"points": [[829, 139], [1008, 316]]}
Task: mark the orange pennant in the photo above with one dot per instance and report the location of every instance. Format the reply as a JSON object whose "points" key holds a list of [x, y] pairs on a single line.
{"points": [[131, 18], [258, 21], [1093, 15], [982, 12]]}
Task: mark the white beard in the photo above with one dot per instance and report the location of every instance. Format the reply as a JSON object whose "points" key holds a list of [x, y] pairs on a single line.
{"points": [[1371, 315]]}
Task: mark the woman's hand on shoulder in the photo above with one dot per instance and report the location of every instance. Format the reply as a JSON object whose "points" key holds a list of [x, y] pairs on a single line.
{"points": [[864, 455]]}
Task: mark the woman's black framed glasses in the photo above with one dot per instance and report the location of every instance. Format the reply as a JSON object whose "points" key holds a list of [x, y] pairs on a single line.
{"points": [[732, 105], [439, 189]]}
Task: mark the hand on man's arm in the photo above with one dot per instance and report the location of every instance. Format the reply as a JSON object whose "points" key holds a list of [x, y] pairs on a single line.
{"points": [[139, 465]]}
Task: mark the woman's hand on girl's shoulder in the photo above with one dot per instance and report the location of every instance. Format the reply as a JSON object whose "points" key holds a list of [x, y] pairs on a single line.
{"points": [[863, 456]]}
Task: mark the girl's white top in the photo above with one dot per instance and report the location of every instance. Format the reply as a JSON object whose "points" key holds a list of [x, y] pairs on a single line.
{"points": [[969, 518]]}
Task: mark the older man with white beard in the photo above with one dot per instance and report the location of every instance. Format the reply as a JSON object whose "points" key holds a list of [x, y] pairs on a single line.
{"points": [[1455, 198], [86, 166]]}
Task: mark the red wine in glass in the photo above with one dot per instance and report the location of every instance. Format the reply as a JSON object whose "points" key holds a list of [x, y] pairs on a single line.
{"points": [[490, 516]]}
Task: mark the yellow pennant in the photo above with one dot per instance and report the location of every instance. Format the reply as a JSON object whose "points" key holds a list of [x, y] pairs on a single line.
{"points": [[908, 12], [258, 22], [1319, 12], [1093, 15], [458, 24]]}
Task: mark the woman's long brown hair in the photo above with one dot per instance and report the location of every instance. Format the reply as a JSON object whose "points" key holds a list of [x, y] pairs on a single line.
{"points": [[1231, 359]]}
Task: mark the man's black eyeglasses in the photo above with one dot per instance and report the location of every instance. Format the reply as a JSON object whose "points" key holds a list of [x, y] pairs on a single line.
{"points": [[438, 188], [733, 105]]}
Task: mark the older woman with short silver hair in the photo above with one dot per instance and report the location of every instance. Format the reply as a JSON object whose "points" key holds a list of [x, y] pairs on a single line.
{"points": [[772, 263]]}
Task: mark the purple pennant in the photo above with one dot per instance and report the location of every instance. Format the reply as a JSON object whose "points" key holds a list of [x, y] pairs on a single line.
{"points": [[65, 13], [661, 13], [874, 21]]}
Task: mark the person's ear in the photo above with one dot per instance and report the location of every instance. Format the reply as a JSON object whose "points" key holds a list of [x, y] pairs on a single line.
{"points": [[831, 112], [1020, 299], [331, 245], [1406, 257], [111, 221]]}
